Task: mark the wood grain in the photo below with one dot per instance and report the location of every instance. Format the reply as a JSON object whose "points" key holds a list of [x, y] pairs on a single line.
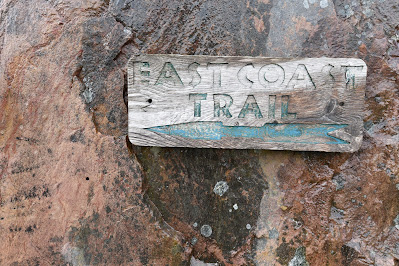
{"points": [[313, 104]]}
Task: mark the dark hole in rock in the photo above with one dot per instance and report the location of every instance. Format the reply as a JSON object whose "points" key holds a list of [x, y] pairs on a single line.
{"points": [[125, 93]]}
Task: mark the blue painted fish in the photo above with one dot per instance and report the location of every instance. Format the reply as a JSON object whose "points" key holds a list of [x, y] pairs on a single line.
{"points": [[269, 132]]}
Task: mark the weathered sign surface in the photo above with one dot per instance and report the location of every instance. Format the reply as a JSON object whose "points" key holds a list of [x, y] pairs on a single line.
{"points": [[313, 104]]}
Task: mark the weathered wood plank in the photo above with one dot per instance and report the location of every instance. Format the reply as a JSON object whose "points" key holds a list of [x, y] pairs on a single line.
{"points": [[313, 104]]}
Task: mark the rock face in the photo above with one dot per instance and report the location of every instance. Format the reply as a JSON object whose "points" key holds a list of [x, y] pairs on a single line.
{"points": [[74, 190]]}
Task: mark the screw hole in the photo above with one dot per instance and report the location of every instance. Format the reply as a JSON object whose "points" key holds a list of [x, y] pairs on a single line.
{"points": [[341, 104], [149, 100]]}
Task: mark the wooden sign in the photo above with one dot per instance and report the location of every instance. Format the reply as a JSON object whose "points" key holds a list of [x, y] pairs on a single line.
{"points": [[312, 104]]}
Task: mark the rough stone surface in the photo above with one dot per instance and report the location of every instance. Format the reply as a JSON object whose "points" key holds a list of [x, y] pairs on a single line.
{"points": [[73, 190]]}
